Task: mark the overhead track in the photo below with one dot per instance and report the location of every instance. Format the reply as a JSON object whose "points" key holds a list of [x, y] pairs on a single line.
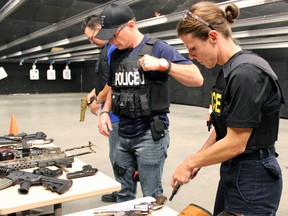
{"points": [[175, 17], [261, 20], [240, 4], [175, 41], [62, 24], [248, 3], [268, 19], [172, 33], [10, 7]]}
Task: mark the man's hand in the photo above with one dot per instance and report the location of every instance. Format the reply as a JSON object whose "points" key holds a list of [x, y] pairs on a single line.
{"points": [[149, 63], [94, 107], [182, 175], [104, 124]]}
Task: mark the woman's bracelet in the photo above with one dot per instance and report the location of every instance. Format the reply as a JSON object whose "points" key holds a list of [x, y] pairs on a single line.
{"points": [[103, 112]]}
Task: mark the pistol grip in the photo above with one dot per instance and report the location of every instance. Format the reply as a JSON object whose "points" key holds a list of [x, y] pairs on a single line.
{"points": [[24, 187]]}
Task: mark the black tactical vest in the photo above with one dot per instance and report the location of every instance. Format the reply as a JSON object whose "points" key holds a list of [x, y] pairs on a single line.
{"points": [[137, 93], [101, 70], [266, 134]]}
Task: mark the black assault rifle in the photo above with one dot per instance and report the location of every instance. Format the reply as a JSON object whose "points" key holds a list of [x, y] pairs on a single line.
{"points": [[60, 161], [27, 179], [46, 157]]}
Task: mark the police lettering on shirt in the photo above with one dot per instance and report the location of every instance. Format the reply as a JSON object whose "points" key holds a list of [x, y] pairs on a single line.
{"points": [[217, 101], [129, 77]]}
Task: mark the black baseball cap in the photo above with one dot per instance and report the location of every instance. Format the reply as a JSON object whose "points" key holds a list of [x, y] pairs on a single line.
{"points": [[112, 17]]}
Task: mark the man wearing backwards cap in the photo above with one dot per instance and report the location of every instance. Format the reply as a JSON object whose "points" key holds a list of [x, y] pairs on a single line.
{"points": [[139, 79]]}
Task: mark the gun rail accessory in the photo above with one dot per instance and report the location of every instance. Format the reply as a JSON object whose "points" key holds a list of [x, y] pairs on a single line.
{"points": [[87, 170]]}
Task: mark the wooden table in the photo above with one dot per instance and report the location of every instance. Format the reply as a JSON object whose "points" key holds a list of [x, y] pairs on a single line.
{"points": [[164, 211], [38, 196]]}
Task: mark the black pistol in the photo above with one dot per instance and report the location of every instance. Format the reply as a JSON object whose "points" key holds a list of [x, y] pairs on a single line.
{"points": [[174, 191], [177, 186]]}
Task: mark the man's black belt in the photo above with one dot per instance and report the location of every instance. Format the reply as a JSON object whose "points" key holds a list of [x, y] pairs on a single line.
{"points": [[256, 154]]}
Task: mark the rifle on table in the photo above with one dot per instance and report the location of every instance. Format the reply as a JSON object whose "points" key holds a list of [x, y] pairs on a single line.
{"points": [[26, 180], [61, 161], [9, 153], [41, 157], [30, 139]]}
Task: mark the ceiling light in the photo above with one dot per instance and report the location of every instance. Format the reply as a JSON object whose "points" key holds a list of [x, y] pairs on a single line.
{"points": [[74, 59], [67, 55], [160, 20], [57, 43], [34, 49], [19, 53], [43, 59]]}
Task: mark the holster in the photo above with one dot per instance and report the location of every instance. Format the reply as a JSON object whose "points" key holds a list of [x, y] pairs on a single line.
{"points": [[157, 128], [120, 170]]}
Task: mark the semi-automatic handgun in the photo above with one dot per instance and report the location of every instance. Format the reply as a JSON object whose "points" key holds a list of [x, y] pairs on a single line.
{"points": [[84, 105]]}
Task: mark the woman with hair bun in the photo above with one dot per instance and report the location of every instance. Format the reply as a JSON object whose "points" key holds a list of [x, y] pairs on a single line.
{"points": [[246, 100]]}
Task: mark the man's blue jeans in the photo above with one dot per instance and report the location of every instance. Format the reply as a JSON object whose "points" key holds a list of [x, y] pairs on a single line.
{"points": [[250, 187], [146, 155], [113, 138]]}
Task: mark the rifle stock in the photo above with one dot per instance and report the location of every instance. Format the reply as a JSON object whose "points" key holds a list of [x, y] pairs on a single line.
{"points": [[59, 186], [5, 183]]}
